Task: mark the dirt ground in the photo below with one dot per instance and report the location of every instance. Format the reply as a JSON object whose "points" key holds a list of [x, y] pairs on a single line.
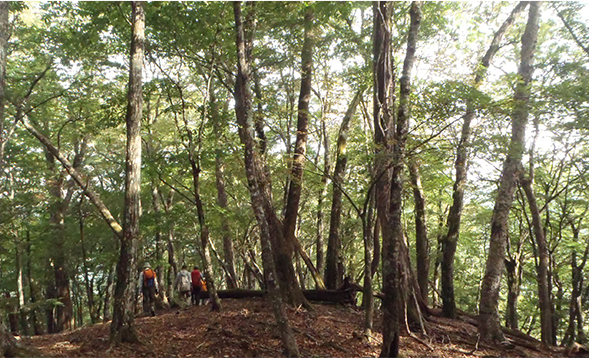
{"points": [[246, 328]]}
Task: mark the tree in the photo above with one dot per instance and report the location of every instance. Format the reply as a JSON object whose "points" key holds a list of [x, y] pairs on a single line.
{"points": [[122, 327], [396, 267], [489, 326], [254, 173], [450, 240]]}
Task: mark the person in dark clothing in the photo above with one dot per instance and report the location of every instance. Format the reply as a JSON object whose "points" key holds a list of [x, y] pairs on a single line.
{"points": [[196, 285]]}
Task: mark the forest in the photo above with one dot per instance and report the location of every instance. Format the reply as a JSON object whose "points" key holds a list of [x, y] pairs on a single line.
{"points": [[427, 158]]}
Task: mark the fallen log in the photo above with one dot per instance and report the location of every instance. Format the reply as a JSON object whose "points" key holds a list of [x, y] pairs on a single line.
{"points": [[345, 296]]}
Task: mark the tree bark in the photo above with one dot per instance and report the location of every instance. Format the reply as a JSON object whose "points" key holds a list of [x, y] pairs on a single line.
{"points": [[298, 162], [4, 36], [260, 187], [88, 282], [204, 233], [34, 291], [122, 327], [334, 268], [421, 239], [489, 325], [383, 105], [320, 241], [450, 240], [396, 268], [243, 111], [228, 251], [108, 293], [543, 264]]}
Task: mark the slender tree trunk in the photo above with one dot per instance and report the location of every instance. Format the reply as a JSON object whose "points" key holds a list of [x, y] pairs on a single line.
{"points": [[34, 291], [204, 234], [543, 263], [298, 163], [261, 190], [87, 281], [159, 242], [333, 274], [4, 36], [450, 241], [489, 325], [228, 251], [243, 111], [320, 241], [122, 327], [383, 122], [173, 268], [108, 293], [514, 272], [396, 268], [367, 292], [421, 239]]}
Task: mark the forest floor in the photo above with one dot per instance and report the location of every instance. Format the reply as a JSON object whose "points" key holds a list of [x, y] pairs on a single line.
{"points": [[247, 328]]}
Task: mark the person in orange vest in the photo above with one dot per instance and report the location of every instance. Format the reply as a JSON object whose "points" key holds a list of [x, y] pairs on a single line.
{"points": [[148, 285], [196, 286]]}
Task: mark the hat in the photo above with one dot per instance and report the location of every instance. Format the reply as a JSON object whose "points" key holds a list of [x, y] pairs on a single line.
{"points": [[147, 265]]}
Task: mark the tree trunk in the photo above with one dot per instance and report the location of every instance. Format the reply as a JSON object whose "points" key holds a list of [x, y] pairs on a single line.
{"points": [[575, 331], [34, 291], [383, 106], [421, 239], [4, 36], [298, 161], [58, 211], [334, 275], [108, 293], [89, 284], [514, 270], [323, 141], [122, 327], [228, 251], [243, 111], [368, 223], [396, 271], [261, 191], [543, 263], [450, 241], [204, 232], [489, 325]]}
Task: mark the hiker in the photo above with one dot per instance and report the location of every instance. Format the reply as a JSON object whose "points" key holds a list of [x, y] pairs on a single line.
{"points": [[183, 283], [149, 287], [196, 285]]}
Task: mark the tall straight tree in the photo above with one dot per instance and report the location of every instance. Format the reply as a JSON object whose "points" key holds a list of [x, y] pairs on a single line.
{"points": [[255, 178], [122, 327], [543, 265], [334, 270], [4, 35], [421, 239], [228, 251], [396, 267], [489, 324], [450, 240], [7, 341], [282, 247], [384, 83]]}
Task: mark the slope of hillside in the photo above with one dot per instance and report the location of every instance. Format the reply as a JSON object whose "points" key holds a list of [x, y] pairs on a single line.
{"points": [[246, 328]]}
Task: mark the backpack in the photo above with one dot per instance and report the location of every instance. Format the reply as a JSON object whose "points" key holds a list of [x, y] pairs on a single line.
{"points": [[148, 278], [185, 283]]}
